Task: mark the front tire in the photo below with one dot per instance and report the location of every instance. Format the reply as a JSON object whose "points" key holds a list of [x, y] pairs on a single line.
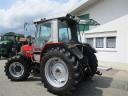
{"points": [[17, 69], [63, 70]]}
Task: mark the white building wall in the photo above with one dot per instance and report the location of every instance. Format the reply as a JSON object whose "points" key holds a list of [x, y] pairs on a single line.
{"points": [[116, 28], [105, 11], [113, 17]]}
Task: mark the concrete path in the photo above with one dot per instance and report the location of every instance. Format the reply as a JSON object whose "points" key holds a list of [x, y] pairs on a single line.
{"points": [[111, 83], [120, 66]]}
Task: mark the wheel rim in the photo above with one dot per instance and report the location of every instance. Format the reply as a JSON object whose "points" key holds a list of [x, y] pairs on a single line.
{"points": [[16, 69], [56, 72]]}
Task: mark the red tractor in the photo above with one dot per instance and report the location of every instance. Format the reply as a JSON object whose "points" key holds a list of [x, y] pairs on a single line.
{"points": [[62, 62]]}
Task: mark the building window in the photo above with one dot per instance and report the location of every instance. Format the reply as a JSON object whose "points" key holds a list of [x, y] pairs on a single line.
{"points": [[111, 42], [90, 41], [100, 42]]}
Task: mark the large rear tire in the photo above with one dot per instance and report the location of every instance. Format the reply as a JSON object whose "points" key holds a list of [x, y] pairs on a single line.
{"points": [[17, 69], [60, 72], [92, 66]]}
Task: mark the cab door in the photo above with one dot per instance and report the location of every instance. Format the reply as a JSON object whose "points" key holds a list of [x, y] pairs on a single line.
{"points": [[43, 35]]}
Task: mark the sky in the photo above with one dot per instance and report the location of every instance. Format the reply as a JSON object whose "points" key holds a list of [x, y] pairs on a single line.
{"points": [[14, 13]]}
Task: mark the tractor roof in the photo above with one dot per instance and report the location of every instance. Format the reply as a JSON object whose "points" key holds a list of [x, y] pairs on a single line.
{"points": [[47, 19], [66, 17], [44, 20], [10, 34]]}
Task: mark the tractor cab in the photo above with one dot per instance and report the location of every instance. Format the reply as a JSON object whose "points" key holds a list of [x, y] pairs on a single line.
{"points": [[9, 37], [62, 29]]}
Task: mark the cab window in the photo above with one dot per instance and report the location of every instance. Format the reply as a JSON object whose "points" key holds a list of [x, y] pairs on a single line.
{"points": [[43, 33], [64, 32]]}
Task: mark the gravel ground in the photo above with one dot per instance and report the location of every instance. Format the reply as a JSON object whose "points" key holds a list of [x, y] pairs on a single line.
{"points": [[111, 83]]}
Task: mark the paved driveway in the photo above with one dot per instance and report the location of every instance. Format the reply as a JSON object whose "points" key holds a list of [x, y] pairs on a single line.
{"points": [[111, 83]]}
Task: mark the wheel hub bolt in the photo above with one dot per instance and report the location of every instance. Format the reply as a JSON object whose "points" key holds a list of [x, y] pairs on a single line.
{"points": [[58, 71]]}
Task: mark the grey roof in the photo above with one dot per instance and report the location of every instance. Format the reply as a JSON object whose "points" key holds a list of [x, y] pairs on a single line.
{"points": [[82, 5]]}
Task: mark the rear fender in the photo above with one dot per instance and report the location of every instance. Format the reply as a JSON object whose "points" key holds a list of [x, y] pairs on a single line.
{"points": [[73, 49], [89, 48], [80, 50], [49, 46], [76, 51]]}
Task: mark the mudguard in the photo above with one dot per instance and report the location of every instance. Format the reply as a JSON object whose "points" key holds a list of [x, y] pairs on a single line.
{"points": [[70, 47], [74, 49], [49, 46], [78, 50], [89, 48]]}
